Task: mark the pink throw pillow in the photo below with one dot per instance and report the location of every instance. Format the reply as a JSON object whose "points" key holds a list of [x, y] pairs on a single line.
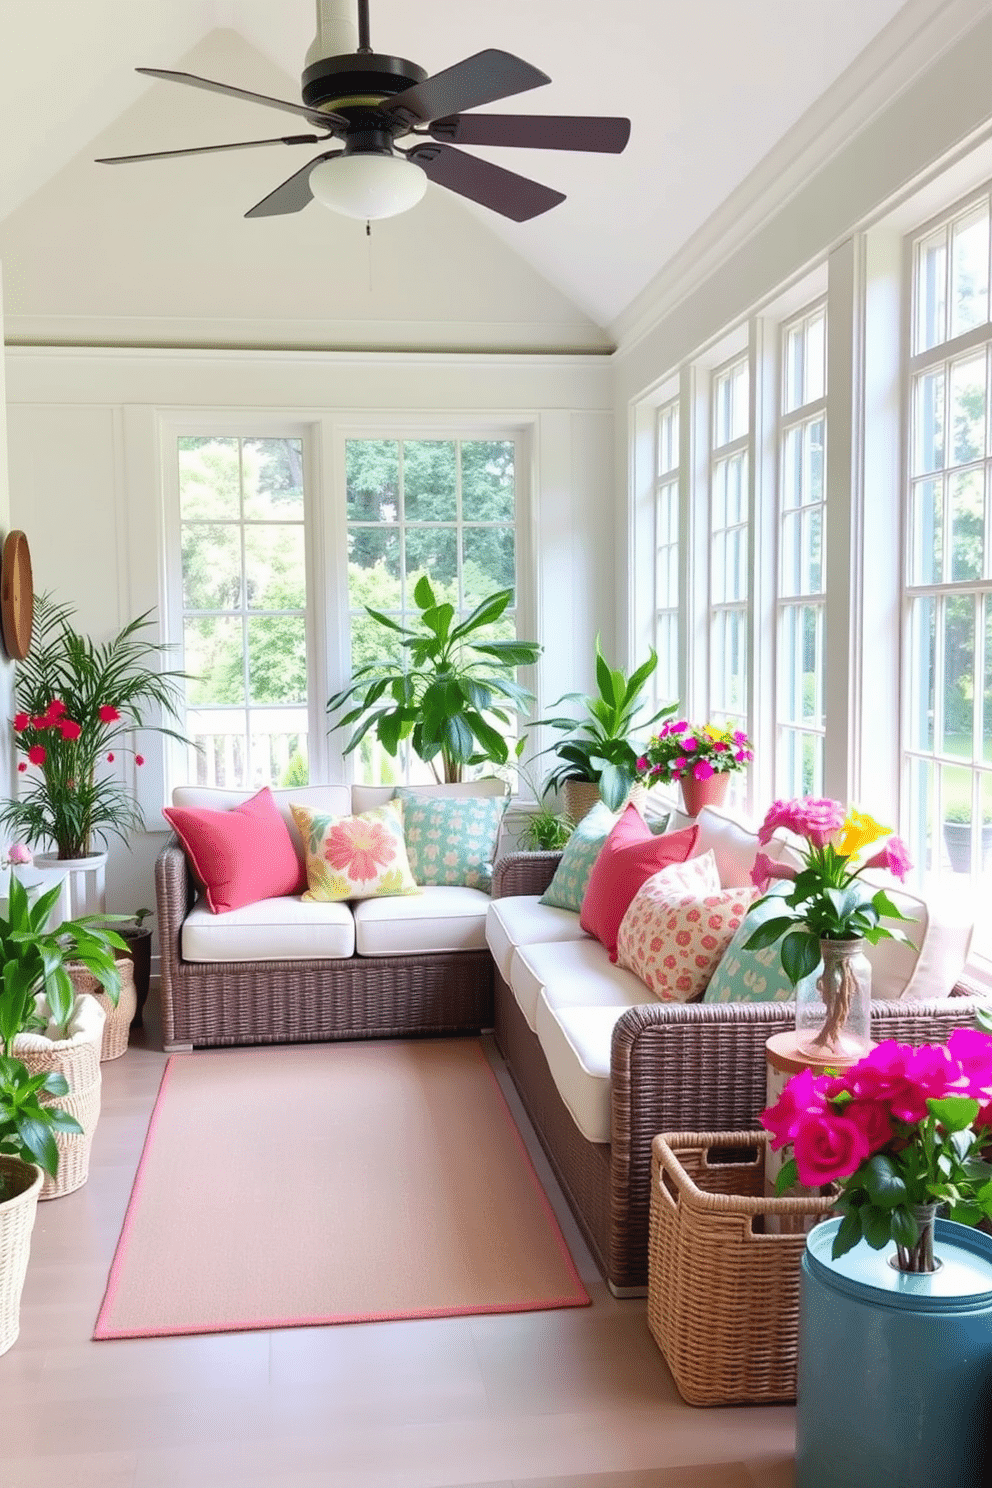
{"points": [[673, 939], [241, 855], [628, 857]]}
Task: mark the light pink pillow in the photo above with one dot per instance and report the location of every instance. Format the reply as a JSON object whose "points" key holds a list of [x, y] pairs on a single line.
{"points": [[631, 854], [673, 939], [241, 855]]}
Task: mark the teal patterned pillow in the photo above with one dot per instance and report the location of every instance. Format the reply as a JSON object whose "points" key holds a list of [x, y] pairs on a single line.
{"points": [[567, 889], [452, 839], [753, 976]]}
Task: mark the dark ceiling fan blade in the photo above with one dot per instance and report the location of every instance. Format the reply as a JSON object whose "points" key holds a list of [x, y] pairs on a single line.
{"points": [[315, 116], [293, 195], [503, 191], [285, 139], [480, 79], [607, 136]]}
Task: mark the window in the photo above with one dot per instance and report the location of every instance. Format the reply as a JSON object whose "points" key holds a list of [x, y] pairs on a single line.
{"points": [[948, 668], [667, 535], [441, 507], [801, 538], [244, 608], [729, 545]]}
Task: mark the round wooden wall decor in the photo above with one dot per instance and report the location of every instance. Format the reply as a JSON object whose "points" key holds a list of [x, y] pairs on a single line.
{"points": [[16, 595]]}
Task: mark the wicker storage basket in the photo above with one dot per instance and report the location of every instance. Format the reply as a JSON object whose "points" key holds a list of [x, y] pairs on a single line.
{"points": [[117, 1026], [16, 1223], [79, 1061], [723, 1295]]}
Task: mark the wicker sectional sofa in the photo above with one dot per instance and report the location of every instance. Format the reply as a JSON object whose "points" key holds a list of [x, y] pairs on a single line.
{"points": [[283, 970], [602, 1067]]}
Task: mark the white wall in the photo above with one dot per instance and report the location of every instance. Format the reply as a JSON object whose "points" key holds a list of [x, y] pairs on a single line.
{"points": [[7, 771], [85, 481]]}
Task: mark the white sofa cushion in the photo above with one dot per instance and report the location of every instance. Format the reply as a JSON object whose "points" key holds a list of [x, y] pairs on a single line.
{"points": [[285, 929], [334, 799], [521, 919], [440, 918], [570, 973], [368, 797]]}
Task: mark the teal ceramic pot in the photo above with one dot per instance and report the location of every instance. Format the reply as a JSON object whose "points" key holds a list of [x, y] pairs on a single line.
{"points": [[895, 1371]]}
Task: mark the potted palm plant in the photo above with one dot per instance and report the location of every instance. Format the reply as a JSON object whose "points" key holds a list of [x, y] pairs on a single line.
{"points": [[598, 750], [77, 705], [455, 684]]}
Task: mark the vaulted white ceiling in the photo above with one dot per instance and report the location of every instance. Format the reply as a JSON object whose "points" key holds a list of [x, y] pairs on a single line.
{"points": [[711, 86]]}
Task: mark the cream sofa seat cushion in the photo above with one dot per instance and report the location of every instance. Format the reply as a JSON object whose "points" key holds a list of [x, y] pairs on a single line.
{"points": [[570, 973], [285, 929], [439, 918], [522, 920]]}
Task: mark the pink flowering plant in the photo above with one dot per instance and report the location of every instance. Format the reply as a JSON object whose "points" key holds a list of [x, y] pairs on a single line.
{"points": [[78, 705], [698, 750], [828, 899], [902, 1128]]}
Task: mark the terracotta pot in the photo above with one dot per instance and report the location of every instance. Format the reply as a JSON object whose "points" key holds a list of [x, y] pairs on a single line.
{"points": [[699, 793]]}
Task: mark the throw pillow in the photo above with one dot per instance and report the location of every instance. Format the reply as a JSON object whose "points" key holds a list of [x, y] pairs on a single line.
{"points": [[754, 976], [629, 856], [452, 839], [241, 855], [354, 857], [567, 889], [672, 940]]}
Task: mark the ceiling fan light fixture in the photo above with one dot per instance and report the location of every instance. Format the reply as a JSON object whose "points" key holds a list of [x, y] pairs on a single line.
{"points": [[368, 187]]}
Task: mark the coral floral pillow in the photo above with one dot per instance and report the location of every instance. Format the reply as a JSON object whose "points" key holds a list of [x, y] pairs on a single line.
{"points": [[673, 940], [354, 857], [241, 855], [629, 856]]}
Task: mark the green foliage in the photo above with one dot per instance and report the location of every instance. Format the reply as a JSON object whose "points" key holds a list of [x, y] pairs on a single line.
{"points": [[297, 772], [600, 747], [454, 679], [68, 801], [27, 1127], [33, 959]]}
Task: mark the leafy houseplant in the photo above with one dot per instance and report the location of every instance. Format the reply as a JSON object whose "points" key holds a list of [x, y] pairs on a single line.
{"points": [[900, 1133], [77, 702], [34, 959], [599, 747], [455, 679]]}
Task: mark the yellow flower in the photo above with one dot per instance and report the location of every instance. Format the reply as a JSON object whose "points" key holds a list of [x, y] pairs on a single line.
{"points": [[857, 832]]}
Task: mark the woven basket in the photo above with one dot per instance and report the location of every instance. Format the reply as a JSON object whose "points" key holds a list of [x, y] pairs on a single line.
{"points": [[79, 1062], [117, 1025], [579, 797], [723, 1294], [16, 1223]]}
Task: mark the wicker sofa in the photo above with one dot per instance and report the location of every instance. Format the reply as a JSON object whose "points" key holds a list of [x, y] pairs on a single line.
{"points": [[602, 1067], [283, 971]]}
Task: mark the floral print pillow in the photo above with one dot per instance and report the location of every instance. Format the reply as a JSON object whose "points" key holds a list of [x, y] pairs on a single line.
{"points": [[452, 839], [754, 976], [354, 857], [673, 939]]}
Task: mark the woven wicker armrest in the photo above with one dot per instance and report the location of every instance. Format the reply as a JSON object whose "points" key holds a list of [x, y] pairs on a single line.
{"points": [[524, 873], [175, 892]]}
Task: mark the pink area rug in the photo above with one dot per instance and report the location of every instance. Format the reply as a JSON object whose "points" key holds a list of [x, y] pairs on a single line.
{"points": [[340, 1183]]}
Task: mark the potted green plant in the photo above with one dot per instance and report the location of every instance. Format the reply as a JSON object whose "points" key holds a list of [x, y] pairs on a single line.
{"points": [[455, 683], [599, 749], [77, 705], [137, 937], [545, 829], [46, 1026], [958, 832]]}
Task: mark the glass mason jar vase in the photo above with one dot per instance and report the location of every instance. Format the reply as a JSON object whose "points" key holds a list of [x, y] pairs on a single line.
{"points": [[833, 1008]]}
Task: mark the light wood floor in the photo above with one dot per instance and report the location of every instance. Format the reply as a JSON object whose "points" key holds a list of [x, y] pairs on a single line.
{"points": [[578, 1398]]}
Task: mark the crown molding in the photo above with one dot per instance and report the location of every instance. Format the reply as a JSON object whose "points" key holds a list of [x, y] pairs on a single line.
{"points": [[921, 33]]}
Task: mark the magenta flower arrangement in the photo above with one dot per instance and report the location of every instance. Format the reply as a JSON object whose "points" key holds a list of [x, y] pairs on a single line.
{"points": [[901, 1130], [829, 899], [78, 707], [682, 749]]}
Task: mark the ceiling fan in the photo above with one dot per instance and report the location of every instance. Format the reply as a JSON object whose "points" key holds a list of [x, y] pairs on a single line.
{"points": [[369, 100]]}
